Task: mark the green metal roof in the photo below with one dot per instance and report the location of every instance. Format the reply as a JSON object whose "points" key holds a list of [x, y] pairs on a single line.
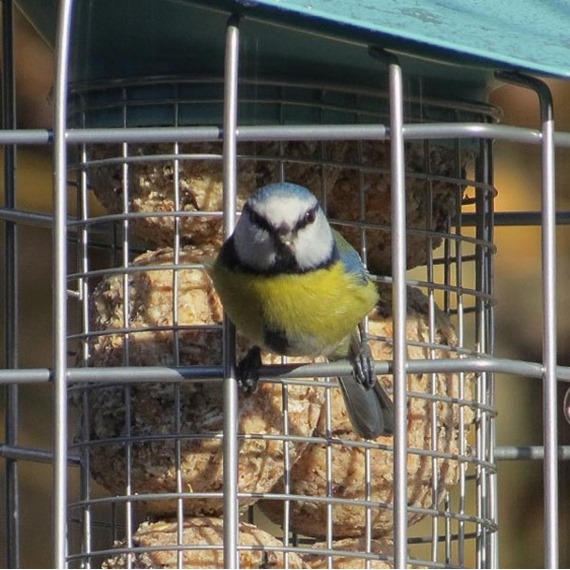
{"points": [[530, 35], [458, 41]]}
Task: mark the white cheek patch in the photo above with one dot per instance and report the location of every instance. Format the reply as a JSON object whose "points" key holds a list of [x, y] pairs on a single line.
{"points": [[314, 243]]}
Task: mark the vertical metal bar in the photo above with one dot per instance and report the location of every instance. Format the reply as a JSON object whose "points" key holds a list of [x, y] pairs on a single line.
{"points": [[286, 475], [399, 310], [59, 283], [85, 518], [367, 453], [550, 422], [124, 253], [481, 330], [11, 289], [329, 469], [83, 291], [231, 412], [462, 439], [549, 342], [435, 485], [176, 342], [485, 270]]}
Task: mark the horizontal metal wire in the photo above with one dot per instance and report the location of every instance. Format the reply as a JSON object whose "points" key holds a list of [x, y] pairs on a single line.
{"points": [[516, 219], [291, 159], [241, 548], [25, 217], [432, 131], [112, 98], [317, 440], [315, 383], [501, 453], [28, 454], [107, 218], [40, 219], [177, 83], [533, 452], [280, 497], [134, 269], [292, 549], [179, 328], [118, 375], [43, 220]]}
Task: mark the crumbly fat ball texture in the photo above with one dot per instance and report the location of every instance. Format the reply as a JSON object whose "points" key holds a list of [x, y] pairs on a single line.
{"points": [[158, 182], [362, 193], [352, 181], [158, 185], [207, 531], [350, 554], [309, 474], [159, 417]]}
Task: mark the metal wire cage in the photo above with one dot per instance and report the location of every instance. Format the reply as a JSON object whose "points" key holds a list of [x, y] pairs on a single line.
{"points": [[146, 442], [158, 459]]}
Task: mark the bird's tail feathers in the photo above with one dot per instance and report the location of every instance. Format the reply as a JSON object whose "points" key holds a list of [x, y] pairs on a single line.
{"points": [[370, 409]]}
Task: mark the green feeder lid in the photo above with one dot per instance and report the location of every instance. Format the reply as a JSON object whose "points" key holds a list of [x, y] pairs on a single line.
{"points": [[527, 35], [448, 50]]}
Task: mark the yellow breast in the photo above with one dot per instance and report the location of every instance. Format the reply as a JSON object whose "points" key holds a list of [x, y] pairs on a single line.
{"points": [[316, 310]]}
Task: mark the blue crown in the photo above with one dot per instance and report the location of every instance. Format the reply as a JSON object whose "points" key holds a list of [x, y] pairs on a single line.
{"points": [[283, 190]]}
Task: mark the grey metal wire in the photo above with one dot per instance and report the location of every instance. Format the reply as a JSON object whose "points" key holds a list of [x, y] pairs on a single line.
{"points": [[11, 299], [231, 413], [434, 131], [118, 375], [60, 285], [549, 314], [399, 311], [131, 439]]}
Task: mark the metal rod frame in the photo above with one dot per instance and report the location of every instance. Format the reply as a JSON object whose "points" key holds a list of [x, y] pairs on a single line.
{"points": [[399, 311], [231, 412], [60, 285], [549, 316], [11, 298], [432, 131]]}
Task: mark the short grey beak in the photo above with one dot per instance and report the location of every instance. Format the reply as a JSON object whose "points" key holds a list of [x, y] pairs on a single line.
{"points": [[286, 236]]}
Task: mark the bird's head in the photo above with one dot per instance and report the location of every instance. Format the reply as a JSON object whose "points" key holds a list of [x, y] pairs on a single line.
{"points": [[283, 228]]}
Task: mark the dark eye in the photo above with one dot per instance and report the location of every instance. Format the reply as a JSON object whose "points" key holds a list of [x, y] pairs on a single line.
{"points": [[310, 216]]}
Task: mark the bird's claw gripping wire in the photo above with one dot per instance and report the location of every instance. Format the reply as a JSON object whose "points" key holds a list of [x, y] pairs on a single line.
{"points": [[248, 371], [361, 359]]}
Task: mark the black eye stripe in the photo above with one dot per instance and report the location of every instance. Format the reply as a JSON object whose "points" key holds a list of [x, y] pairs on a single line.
{"points": [[308, 218], [256, 219]]}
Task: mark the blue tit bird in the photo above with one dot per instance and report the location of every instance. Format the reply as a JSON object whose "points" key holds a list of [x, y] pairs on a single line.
{"points": [[294, 286]]}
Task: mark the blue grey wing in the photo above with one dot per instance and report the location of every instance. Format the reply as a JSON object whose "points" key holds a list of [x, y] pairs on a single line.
{"points": [[350, 258]]}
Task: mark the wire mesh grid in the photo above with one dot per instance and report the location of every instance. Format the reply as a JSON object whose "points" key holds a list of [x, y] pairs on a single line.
{"points": [[148, 436], [157, 447]]}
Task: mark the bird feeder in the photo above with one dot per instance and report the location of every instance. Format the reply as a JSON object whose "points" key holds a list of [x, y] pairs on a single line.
{"points": [[168, 115]]}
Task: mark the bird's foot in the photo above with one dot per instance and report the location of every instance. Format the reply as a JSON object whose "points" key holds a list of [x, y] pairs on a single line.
{"points": [[362, 361], [248, 371]]}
